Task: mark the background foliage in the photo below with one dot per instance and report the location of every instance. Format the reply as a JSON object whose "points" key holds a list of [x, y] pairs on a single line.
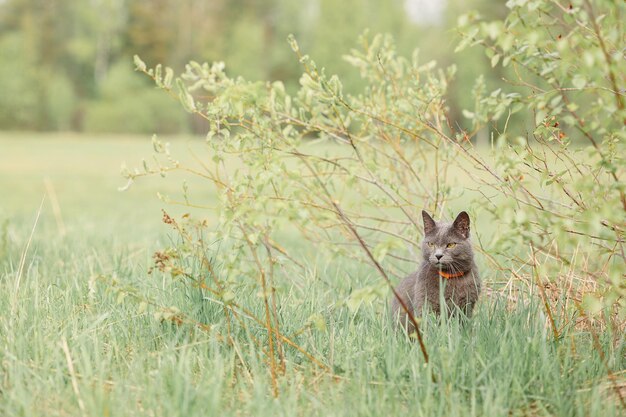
{"points": [[390, 149], [67, 64]]}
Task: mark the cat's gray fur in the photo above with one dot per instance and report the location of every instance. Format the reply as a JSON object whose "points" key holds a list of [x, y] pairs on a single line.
{"points": [[422, 287]]}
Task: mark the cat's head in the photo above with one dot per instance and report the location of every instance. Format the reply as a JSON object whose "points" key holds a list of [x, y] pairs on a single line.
{"points": [[447, 246]]}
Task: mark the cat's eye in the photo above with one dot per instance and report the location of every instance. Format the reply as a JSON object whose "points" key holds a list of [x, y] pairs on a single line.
{"points": [[450, 245], [431, 244]]}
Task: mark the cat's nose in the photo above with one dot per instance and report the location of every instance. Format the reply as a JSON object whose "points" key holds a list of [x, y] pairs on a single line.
{"points": [[439, 256]]}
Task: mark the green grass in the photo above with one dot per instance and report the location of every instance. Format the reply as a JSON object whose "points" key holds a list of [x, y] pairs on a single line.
{"points": [[125, 362]]}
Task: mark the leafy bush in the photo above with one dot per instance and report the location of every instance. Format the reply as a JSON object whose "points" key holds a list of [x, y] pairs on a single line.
{"points": [[348, 174], [564, 197]]}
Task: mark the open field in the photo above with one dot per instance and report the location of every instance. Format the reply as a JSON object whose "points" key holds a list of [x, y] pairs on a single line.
{"points": [[72, 346]]}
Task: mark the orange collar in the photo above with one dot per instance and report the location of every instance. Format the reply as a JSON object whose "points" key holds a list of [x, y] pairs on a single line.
{"points": [[448, 276]]}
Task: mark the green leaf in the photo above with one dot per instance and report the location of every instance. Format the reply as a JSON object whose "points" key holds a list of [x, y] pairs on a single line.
{"points": [[169, 76], [139, 64], [468, 114], [494, 60], [186, 99]]}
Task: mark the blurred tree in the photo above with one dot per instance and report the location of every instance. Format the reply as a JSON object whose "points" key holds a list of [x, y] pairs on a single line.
{"points": [[173, 32], [126, 104], [66, 45], [18, 79], [151, 29], [338, 25], [57, 55]]}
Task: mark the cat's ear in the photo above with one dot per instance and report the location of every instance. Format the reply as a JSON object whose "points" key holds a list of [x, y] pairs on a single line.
{"points": [[429, 223], [462, 224]]}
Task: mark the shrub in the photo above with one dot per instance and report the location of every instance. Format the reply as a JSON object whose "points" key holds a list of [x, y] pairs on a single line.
{"points": [[562, 182], [349, 173]]}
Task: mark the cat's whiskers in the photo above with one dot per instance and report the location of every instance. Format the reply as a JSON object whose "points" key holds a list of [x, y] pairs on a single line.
{"points": [[453, 268]]}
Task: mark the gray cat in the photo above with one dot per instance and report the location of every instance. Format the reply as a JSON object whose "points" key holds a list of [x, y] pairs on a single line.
{"points": [[448, 260]]}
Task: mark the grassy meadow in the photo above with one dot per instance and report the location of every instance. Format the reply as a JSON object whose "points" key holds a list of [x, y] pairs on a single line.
{"points": [[73, 347]]}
